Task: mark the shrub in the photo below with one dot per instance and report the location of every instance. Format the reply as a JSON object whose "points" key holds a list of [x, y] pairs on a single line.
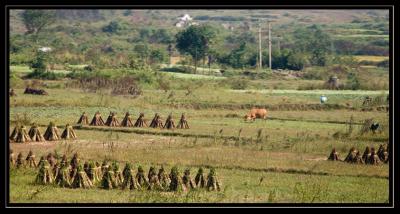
{"points": [[45, 75], [352, 82], [384, 64], [15, 80], [238, 83]]}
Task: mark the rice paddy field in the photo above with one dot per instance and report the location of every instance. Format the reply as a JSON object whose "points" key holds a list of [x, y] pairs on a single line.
{"points": [[279, 160]]}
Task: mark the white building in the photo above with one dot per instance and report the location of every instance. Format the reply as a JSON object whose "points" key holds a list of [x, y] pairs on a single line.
{"points": [[186, 18], [44, 49]]}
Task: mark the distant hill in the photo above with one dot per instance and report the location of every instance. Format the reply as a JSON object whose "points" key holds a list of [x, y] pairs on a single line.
{"points": [[167, 18]]}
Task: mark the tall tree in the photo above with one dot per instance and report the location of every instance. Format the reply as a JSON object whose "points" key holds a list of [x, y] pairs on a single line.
{"points": [[320, 46], [315, 41], [195, 41], [36, 20]]}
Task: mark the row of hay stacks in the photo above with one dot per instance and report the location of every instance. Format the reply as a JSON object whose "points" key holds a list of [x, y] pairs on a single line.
{"points": [[370, 156], [112, 121], [55, 170], [20, 135]]}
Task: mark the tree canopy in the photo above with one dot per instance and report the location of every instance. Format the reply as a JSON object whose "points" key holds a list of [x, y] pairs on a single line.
{"points": [[36, 20], [195, 41]]}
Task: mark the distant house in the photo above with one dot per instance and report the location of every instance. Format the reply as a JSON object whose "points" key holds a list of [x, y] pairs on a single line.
{"points": [[184, 21], [186, 18], [45, 49]]}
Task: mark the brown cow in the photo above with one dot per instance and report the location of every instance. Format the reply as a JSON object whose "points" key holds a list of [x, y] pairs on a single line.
{"points": [[256, 113]]}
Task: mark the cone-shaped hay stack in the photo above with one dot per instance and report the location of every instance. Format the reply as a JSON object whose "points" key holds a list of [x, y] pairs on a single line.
{"points": [[176, 180], [63, 161], [140, 122], [45, 175], [156, 122], [56, 170], [334, 156], [351, 155], [112, 120], [199, 179], [383, 153], [12, 158], [74, 165], [81, 180], [83, 120], [35, 134], [119, 178], [183, 124], [141, 178], [20, 161], [108, 180], [68, 133], [30, 160], [127, 121], [169, 124], [51, 133], [63, 179], [92, 173], [212, 181], [163, 178], [14, 133], [51, 159], [130, 181], [358, 159], [22, 136], [188, 181], [367, 153], [154, 182], [97, 120], [373, 158], [97, 171], [12, 92]]}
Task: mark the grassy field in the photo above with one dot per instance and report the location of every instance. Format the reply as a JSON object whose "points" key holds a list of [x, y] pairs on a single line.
{"points": [[288, 150], [371, 58]]}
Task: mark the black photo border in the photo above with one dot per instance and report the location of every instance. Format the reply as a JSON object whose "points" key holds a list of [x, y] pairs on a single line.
{"points": [[118, 4]]}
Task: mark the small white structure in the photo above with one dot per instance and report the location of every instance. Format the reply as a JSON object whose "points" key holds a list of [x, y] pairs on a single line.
{"points": [[323, 99], [184, 21], [44, 49], [186, 18]]}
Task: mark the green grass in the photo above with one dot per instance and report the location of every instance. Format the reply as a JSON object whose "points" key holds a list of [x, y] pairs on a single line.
{"points": [[192, 76], [371, 58], [238, 187], [20, 69], [290, 153], [362, 36]]}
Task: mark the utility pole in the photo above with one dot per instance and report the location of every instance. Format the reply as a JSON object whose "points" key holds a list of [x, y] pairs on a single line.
{"points": [[269, 45], [259, 48], [279, 43]]}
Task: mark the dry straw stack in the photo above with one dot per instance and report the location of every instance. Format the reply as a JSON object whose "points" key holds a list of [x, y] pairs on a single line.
{"points": [[169, 123], [35, 135], [22, 135], [97, 120], [127, 121], [83, 120], [141, 122], [112, 120], [68, 133], [51, 133], [156, 122], [183, 124]]}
